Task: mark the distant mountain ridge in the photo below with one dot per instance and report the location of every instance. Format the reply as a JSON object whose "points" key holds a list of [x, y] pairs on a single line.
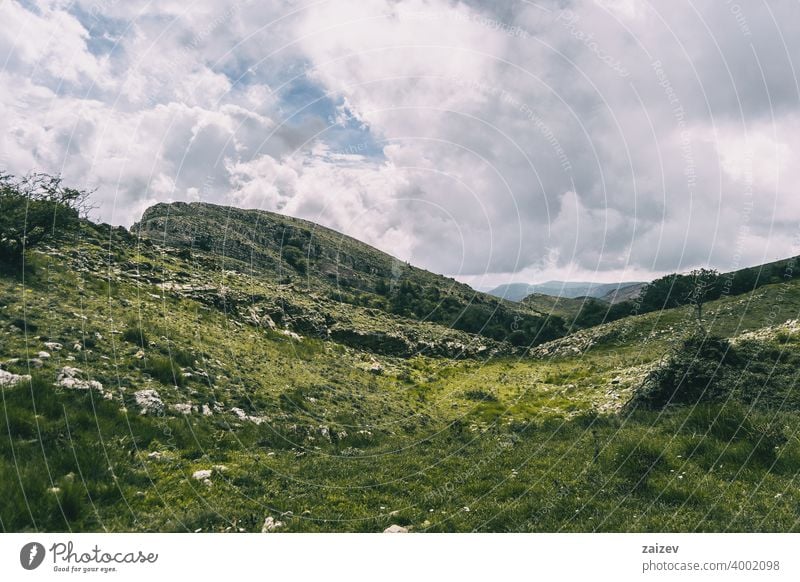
{"points": [[565, 289]]}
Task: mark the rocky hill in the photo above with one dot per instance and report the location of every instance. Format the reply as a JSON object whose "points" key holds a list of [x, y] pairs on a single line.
{"points": [[287, 251]]}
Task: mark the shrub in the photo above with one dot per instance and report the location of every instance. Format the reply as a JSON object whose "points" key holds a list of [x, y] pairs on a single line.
{"points": [[480, 396], [33, 209], [183, 357], [693, 373], [163, 370], [135, 333], [296, 258], [25, 325]]}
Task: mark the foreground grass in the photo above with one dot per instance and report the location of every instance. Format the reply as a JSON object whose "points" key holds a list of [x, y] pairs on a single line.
{"points": [[79, 464]]}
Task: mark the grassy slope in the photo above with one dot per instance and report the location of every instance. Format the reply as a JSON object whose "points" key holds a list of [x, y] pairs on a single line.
{"points": [[322, 262], [563, 307], [517, 442]]}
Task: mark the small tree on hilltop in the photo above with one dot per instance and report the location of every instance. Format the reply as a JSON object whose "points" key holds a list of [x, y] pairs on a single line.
{"points": [[35, 208], [704, 283]]}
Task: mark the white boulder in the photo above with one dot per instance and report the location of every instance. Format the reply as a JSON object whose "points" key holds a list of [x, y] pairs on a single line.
{"points": [[271, 524], [149, 402]]}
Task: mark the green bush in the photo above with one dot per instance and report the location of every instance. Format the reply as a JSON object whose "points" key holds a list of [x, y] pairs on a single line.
{"points": [[165, 371], [135, 333], [33, 209], [296, 258], [183, 357], [692, 374], [480, 396]]}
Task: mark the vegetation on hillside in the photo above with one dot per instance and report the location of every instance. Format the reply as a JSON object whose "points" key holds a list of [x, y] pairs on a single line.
{"points": [[33, 209], [678, 290], [153, 384]]}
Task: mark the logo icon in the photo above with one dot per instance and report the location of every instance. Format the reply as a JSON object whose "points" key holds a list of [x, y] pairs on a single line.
{"points": [[31, 555]]}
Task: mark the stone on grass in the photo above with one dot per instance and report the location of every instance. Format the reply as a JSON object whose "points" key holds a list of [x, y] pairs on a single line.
{"points": [[182, 408], [149, 402], [70, 378], [394, 528], [8, 379], [270, 524]]}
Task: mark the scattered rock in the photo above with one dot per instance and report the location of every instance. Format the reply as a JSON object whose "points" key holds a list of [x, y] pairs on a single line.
{"points": [[7, 378], [182, 408], [290, 334], [242, 415], [36, 362], [202, 474], [149, 402], [69, 377], [394, 528], [206, 410], [43, 355], [376, 369], [270, 524], [155, 455], [53, 346]]}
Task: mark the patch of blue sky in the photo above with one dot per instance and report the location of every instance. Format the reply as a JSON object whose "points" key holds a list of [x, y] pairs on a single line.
{"points": [[301, 100]]}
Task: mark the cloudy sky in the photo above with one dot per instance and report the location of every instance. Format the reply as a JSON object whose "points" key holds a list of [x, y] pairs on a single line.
{"points": [[485, 140]]}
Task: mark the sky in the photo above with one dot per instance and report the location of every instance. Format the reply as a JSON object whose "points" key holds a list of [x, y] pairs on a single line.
{"points": [[489, 141]]}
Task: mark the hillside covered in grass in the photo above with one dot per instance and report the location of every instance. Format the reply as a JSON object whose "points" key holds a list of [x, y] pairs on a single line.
{"points": [[196, 374]]}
